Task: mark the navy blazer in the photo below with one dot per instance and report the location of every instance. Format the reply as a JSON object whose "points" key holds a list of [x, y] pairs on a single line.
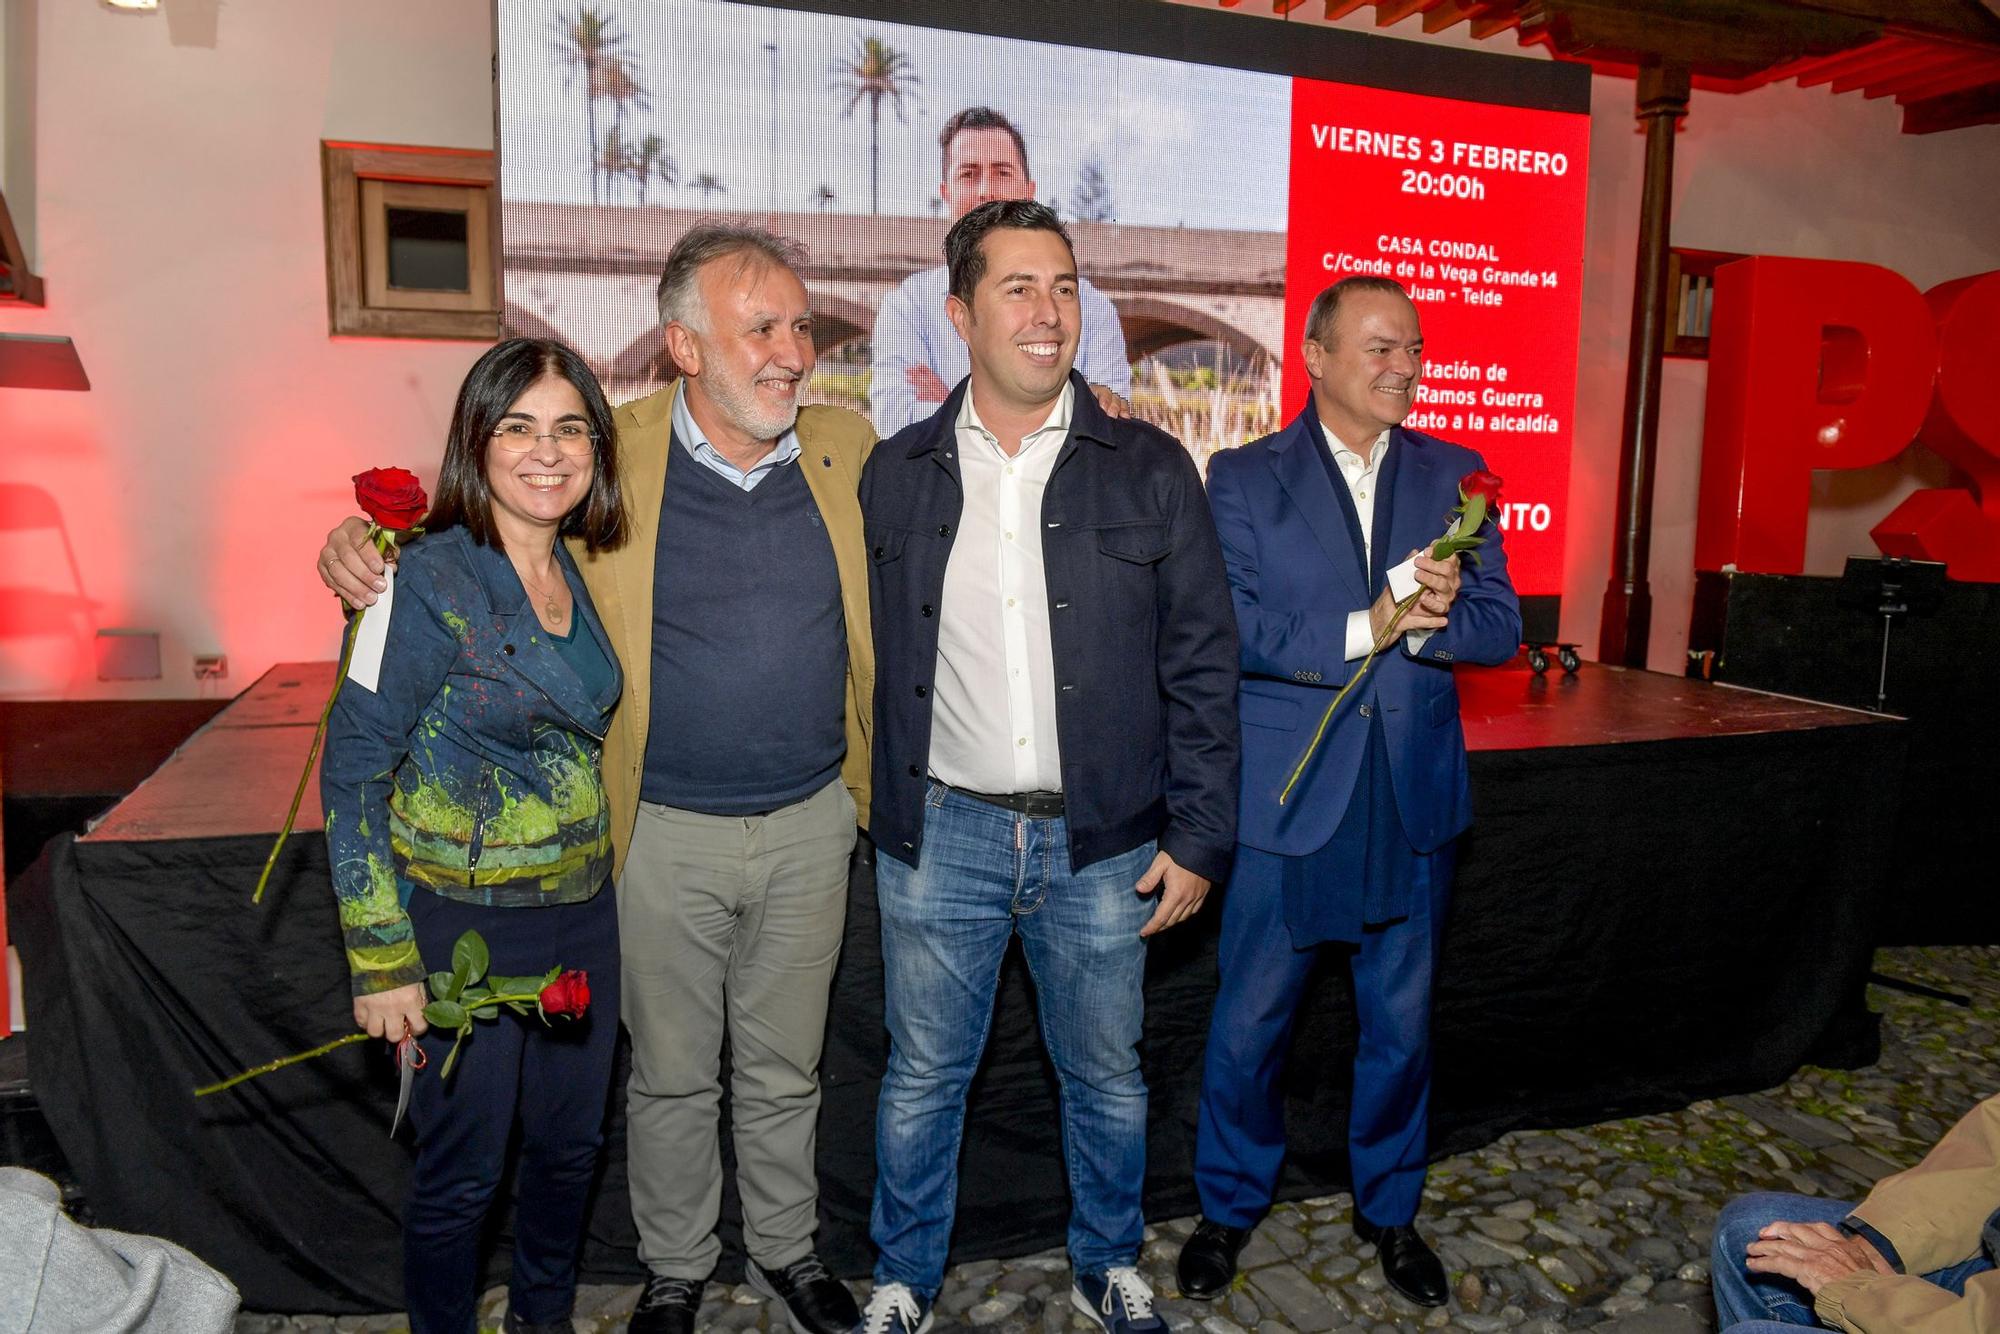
{"points": [[1139, 620], [1296, 572], [474, 767]]}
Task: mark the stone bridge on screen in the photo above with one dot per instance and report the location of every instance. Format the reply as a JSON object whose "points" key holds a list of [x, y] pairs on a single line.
{"points": [[587, 275]]}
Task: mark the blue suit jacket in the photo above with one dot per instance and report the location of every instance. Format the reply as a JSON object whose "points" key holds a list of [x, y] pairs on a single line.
{"points": [[1295, 572]]}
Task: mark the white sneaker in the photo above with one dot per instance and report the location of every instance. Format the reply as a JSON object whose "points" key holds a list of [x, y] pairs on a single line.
{"points": [[1118, 1301], [894, 1309]]}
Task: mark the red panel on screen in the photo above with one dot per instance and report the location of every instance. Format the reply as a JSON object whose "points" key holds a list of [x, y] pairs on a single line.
{"points": [[1478, 211]]}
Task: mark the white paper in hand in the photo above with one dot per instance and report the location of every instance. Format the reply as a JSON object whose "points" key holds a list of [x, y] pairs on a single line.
{"points": [[1403, 579], [364, 665]]}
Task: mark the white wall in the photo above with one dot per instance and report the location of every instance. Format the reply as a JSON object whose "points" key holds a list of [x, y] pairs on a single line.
{"points": [[178, 224], [180, 232]]}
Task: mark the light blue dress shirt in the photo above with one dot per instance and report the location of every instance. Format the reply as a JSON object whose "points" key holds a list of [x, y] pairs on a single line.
{"points": [[912, 329], [709, 457]]}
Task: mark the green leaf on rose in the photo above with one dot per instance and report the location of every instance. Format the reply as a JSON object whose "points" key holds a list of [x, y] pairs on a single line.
{"points": [[468, 956], [451, 1057], [445, 1014], [444, 986]]}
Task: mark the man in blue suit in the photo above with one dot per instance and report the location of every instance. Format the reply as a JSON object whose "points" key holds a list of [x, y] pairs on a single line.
{"points": [[1359, 856]]}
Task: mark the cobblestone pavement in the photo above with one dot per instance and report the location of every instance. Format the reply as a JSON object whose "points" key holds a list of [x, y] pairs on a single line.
{"points": [[1604, 1227]]}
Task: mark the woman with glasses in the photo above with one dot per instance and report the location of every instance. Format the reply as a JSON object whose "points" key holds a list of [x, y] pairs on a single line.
{"points": [[462, 792]]}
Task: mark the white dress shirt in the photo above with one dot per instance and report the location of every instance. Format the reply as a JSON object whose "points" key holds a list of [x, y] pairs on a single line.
{"points": [[1362, 476], [993, 705]]}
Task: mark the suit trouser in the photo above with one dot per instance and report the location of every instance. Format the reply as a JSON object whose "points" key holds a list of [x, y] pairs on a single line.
{"points": [[1240, 1142], [730, 926], [552, 1080]]}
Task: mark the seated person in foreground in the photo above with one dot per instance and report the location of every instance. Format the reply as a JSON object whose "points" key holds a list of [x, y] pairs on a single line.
{"points": [[1915, 1257]]}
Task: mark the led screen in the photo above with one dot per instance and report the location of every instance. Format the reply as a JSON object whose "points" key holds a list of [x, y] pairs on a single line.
{"points": [[1208, 203]]}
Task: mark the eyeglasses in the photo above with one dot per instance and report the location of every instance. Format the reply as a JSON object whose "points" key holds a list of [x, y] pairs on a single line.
{"points": [[520, 437]]}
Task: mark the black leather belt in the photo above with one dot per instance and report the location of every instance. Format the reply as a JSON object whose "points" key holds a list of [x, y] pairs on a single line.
{"points": [[1034, 805]]}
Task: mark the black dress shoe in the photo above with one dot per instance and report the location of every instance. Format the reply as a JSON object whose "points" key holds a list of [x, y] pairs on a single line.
{"points": [[1409, 1264], [814, 1301], [667, 1306], [1208, 1259]]}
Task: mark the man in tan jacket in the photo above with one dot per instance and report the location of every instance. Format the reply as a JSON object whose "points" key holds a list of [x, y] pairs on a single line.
{"points": [[1915, 1257]]}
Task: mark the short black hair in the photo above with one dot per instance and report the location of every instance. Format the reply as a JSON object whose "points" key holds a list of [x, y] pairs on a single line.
{"points": [[492, 387], [1325, 307], [978, 118], [965, 261]]}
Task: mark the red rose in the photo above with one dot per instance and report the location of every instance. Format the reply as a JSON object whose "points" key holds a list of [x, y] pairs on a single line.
{"points": [[1482, 484], [569, 994], [392, 497]]}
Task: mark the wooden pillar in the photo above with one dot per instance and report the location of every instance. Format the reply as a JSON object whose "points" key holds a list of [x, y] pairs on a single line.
{"points": [[1628, 598]]}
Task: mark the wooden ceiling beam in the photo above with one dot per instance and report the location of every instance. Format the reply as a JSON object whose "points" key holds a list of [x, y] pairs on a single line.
{"points": [[1391, 12], [1447, 13], [1902, 85], [1734, 41], [1905, 61], [1926, 62], [1828, 68], [1956, 111], [1876, 81], [1944, 82]]}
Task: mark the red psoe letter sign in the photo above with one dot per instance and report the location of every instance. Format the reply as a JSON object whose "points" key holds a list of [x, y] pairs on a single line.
{"points": [[1959, 528], [1811, 364]]}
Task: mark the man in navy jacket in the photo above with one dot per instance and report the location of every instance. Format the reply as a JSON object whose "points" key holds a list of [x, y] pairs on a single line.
{"points": [[1055, 753], [1316, 523]]}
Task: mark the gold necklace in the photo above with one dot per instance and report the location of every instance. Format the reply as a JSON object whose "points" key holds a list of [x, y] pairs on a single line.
{"points": [[549, 604]]}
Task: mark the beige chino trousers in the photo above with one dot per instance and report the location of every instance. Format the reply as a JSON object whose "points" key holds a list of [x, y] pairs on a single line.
{"points": [[729, 926]]}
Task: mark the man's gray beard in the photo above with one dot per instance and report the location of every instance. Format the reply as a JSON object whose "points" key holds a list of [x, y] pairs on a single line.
{"points": [[744, 414]]}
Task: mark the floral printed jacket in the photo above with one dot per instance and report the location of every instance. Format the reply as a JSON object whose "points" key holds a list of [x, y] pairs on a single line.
{"points": [[472, 768]]}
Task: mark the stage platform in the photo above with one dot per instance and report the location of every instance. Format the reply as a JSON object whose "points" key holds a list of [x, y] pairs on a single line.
{"points": [[1669, 894]]}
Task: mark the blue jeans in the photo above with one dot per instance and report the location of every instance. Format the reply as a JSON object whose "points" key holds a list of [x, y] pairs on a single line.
{"points": [[987, 875], [1747, 1303]]}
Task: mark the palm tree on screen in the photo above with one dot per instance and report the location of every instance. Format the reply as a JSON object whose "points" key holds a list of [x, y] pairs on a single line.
{"points": [[875, 71], [615, 160], [708, 183], [618, 85], [651, 161], [584, 41]]}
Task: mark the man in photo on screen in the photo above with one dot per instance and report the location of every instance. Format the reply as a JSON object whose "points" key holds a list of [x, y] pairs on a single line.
{"points": [[734, 765], [1359, 859], [918, 355], [1055, 756]]}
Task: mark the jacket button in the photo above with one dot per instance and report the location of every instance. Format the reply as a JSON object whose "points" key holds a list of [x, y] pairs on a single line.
{"points": [[880, 552], [923, 691], [927, 609], [915, 772], [826, 460], [1367, 710], [944, 530], [909, 846], [507, 649]]}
